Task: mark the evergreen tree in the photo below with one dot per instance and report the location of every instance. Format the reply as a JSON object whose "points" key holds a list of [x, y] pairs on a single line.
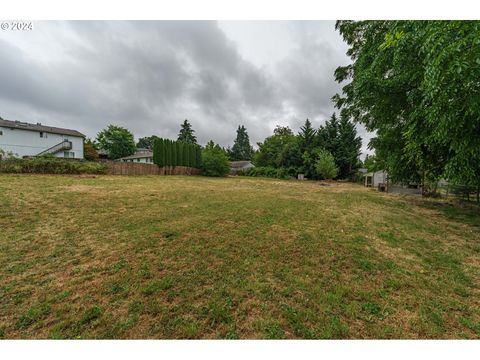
{"points": [[198, 155], [179, 146], [327, 135], [168, 152], [347, 157], [187, 134], [241, 150], [186, 155], [193, 157], [174, 153], [307, 136]]}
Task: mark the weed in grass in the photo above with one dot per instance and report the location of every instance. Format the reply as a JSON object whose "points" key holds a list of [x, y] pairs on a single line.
{"points": [[297, 322], [273, 330], [163, 284], [91, 314], [33, 314]]}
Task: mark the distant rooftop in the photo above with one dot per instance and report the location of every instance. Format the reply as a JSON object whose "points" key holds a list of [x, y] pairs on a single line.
{"points": [[15, 124], [145, 153]]}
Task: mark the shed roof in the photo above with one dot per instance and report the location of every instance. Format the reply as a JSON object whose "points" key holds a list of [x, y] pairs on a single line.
{"points": [[15, 124]]}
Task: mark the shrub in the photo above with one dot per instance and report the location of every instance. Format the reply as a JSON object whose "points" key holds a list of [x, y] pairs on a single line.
{"points": [[214, 161], [325, 165], [50, 165]]}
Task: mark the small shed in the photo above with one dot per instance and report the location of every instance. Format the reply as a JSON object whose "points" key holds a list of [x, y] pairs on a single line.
{"points": [[376, 178]]}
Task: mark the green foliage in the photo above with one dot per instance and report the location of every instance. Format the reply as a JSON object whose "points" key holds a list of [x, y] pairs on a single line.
{"points": [[174, 153], [50, 165], [117, 141], [179, 152], [285, 150], [241, 149], [282, 149], [89, 151], [214, 160], [147, 142], [187, 134], [325, 165], [415, 84], [307, 136]]}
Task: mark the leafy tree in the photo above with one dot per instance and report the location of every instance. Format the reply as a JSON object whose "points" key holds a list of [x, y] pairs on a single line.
{"points": [[147, 142], [371, 163], [307, 136], [89, 151], [187, 134], [415, 83], [325, 165], [282, 149], [117, 141], [241, 150], [214, 160]]}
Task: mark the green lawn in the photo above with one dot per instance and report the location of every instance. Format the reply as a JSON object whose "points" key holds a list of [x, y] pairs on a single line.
{"points": [[194, 257]]}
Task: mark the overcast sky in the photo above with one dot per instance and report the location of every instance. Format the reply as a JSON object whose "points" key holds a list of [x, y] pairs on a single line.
{"points": [[150, 76]]}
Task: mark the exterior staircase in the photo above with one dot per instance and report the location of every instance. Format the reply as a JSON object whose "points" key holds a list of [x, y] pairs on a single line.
{"points": [[64, 145]]}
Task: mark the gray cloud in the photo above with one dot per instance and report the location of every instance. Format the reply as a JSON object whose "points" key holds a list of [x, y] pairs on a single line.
{"points": [[149, 76]]}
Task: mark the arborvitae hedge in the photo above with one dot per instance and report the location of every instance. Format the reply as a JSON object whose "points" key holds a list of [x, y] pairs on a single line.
{"points": [[176, 153]]}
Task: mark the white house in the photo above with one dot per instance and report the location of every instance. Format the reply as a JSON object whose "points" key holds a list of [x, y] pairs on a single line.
{"points": [[142, 156], [24, 139]]}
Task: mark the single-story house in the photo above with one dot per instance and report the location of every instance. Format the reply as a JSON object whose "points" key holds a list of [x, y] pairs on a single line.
{"points": [[142, 156], [24, 139], [237, 166]]}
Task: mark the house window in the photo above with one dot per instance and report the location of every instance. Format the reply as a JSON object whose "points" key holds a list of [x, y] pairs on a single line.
{"points": [[1, 132], [41, 134], [69, 154], [138, 160]]}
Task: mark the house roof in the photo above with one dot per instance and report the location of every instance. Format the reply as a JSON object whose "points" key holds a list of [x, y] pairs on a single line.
{"points": [[38, 127], [138, 155], [240, 164]]}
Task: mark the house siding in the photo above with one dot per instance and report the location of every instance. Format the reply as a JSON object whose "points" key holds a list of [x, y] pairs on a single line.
{"points": [[29, 143]]}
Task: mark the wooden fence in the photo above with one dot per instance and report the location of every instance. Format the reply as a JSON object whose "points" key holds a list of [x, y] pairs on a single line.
{"points": [[130, 168]]}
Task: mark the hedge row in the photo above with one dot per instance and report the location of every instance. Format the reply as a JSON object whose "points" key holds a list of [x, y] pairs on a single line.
{"points": [[50, 165], [176, 153]]}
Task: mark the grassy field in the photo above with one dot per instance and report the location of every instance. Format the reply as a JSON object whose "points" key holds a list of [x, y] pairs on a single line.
{"points": [[194, 257]]}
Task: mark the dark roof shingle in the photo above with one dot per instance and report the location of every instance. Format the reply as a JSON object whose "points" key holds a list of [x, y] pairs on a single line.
{"points": [[38, 127]]}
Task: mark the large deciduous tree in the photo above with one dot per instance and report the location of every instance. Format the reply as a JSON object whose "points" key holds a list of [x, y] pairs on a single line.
{"points": [[416, 84], [147, 142], [117, 141]]}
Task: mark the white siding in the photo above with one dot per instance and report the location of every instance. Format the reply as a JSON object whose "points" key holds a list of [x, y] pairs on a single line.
{"points": [[29, 143], [379, 177], [145, 160]]}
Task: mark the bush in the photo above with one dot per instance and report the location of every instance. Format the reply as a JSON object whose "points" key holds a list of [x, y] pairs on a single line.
{"points": [[325, 166], [50, 165], [214, 161]]}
